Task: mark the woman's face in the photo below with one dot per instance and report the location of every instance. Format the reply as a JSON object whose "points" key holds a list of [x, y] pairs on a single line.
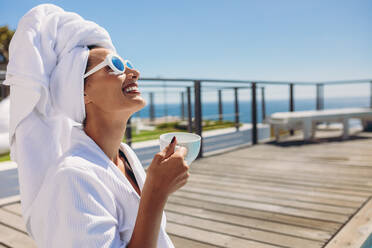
{"points": [[108, 92]]}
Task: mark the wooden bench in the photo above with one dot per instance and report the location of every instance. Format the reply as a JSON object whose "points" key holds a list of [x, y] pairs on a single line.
{"points": [[307, 120]]}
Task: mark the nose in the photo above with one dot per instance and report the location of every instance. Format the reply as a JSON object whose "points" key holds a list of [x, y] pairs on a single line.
{"points": [[132, 73]]}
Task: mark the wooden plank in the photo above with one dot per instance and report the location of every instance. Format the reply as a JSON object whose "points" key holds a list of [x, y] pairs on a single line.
{"points": [[242, 232], [13, 220], [15, 208], [306, 156], [360, 152], [213, 238], [249, 222], [273, 194], [276, 170], [268, 183], [332, 217], [181, 242], [288, 165], [296, 176], [2, 245], [247, 181], [325, 154], [10, 199], [339, 153], [353, 145], [294, 191], [356, 231], [231, 176], [279, 188], [287, 154], [15, 239], [269, 200], [257, 214], [234, 166]]}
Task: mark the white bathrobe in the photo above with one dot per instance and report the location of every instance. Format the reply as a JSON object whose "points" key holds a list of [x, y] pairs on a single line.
{"points": [[86, 201]]}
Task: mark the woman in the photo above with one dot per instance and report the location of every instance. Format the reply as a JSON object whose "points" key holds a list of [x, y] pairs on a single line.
{"points": [[98, 194], [109, 105]]}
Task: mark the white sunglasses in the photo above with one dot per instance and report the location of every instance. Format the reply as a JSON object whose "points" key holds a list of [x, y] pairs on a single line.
{"points": [[114, 62]]}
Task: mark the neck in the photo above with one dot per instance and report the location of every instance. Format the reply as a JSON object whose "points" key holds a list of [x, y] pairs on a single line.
{"points": [[107, 132]]}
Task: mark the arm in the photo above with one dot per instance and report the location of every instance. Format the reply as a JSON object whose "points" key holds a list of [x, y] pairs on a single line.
{"points": [[167, 173], [150, 212]]}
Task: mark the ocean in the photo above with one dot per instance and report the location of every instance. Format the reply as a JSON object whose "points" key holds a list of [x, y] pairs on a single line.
{"points": [[210, 109]]}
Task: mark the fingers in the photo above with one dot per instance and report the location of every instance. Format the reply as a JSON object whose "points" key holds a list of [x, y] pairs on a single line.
{"points": [[179, 155], [158, 157], [182, 151], [183, 179], [184, 176], [169, 149]]}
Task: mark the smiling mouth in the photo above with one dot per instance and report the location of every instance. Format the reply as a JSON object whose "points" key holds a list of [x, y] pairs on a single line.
{"points": [[131, 88]]}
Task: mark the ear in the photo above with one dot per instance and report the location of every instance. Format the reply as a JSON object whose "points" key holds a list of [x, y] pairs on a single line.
{"points": [[86, 99]]}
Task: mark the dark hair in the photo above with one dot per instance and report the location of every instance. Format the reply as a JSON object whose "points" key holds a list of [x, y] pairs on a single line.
{"points": [[89, 64]]}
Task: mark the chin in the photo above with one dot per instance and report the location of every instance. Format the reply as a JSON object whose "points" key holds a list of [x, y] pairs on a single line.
{"points": [[140, 104]]}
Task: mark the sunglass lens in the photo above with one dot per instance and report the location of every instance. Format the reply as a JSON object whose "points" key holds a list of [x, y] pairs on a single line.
{"points": [[118, 63], [129, 64]]}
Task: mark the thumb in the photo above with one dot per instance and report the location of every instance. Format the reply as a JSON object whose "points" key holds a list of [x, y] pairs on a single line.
{"points": [[169, 149]]}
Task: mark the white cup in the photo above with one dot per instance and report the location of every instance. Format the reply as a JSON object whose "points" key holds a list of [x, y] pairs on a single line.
{"points": [[189, 140]]}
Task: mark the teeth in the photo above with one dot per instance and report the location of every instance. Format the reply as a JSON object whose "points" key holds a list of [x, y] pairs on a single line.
{"points": [[131, 88]]}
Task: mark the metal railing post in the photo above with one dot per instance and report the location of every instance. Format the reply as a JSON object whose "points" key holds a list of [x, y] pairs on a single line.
{"points": [[7, 90], [3, 93], [189, 113], [236, 108], [220, 110], [370, 103], [319, 96], [165, 101], [254, 114], [152, 108], [128, 132], [263, 106], [291, 102], [3, 88], [183, 106], [198, 114]]}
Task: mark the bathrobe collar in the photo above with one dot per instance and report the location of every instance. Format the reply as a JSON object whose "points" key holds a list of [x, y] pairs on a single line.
{"points": [[97, 156]]}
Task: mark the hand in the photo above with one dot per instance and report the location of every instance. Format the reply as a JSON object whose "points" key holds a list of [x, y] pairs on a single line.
{"points": [[168, 170]]}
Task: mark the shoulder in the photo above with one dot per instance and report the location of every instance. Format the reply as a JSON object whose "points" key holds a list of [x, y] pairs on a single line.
{"points": [[78, 205], [82, 171], [83, 163], [74, 168], [76, 185], [79, 172], [76, 176], [75, 163]]}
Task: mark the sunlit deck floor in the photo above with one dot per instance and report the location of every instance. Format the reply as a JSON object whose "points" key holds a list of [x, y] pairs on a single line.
{"points": [[289, 195]]}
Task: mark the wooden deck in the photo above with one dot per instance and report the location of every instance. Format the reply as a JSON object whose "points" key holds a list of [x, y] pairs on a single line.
{"points": [[290, 195]]}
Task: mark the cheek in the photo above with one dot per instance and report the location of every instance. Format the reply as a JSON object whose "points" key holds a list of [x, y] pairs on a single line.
{"points": [[106, 92]]}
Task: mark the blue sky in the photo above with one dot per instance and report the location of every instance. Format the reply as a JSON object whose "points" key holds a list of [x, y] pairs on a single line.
{"points": [[255, 40]]}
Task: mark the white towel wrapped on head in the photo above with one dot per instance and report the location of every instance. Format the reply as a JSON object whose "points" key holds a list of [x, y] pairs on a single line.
{"points": [[47, 61]]}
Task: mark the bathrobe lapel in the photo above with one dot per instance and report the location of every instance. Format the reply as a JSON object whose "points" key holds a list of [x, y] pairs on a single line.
{"points": [[79, 137]]}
